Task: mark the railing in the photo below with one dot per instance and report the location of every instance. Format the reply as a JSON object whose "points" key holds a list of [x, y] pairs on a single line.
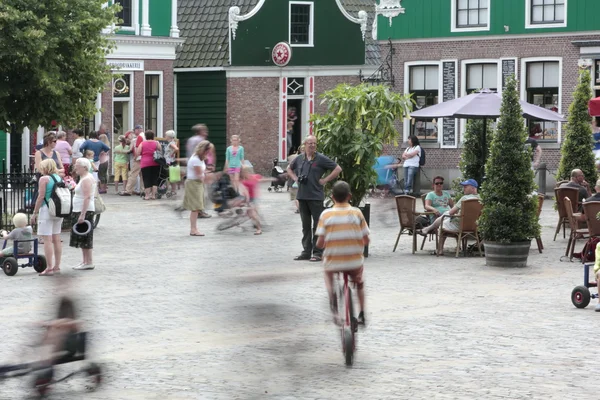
{"points": [[18, 191]]}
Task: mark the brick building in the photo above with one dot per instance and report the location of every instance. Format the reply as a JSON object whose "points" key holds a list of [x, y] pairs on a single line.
{"points": [[449, 48], [226, 77]]}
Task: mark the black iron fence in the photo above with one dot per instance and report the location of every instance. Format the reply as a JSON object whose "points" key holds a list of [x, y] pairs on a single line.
{"points": [[18, 192]]}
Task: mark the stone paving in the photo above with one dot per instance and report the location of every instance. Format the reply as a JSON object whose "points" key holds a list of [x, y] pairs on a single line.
{"points": [[232, 316]]}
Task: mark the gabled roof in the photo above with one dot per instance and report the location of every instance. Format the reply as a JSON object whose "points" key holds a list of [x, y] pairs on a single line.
{"points": [[204, 26]]}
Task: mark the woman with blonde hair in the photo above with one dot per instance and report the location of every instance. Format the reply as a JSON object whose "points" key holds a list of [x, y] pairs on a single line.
{"points": [[48, 227], [193, 199], [103, 167]]}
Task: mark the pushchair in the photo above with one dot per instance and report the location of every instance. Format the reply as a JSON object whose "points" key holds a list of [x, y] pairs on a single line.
{"points": [[280, 177], [162, 189], [73, 348], [387, 180], [221, 191]]}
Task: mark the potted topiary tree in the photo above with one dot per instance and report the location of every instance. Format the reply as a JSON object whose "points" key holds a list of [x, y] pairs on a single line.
{"points": [[359, 122], [509, 218], [576, 150]]}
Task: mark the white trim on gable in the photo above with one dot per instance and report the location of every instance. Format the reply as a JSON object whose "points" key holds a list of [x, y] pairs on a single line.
{"points": [[529, 25], [311, 26], [453, 15]]}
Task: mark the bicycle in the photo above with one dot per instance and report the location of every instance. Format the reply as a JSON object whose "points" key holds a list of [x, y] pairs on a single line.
{"points": [[349, 324], [236, 217]]}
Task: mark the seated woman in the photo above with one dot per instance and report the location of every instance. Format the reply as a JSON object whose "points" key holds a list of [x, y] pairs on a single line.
{"points": [[438, 201]]}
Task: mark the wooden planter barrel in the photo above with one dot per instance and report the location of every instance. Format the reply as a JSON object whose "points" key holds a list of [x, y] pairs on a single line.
{"points": [[510, 255]]}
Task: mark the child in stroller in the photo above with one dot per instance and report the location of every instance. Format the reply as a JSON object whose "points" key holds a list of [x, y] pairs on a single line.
{"points": [[279, 177], [223, 194]]}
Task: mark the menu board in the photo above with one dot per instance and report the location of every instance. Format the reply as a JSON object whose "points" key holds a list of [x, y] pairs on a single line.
{"points": [[449, 93], [509, 67]]}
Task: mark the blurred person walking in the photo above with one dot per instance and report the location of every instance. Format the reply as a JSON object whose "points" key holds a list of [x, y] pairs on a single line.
{"points": [[83, 210], [48, 226]]}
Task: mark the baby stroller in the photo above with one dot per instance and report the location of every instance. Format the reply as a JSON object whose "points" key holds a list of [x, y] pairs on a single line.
{"points": [[221, 191], [162, 189], [279, 175]]}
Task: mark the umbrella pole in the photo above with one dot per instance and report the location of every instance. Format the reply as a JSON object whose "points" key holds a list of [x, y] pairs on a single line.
{"points": [[483, 150]]}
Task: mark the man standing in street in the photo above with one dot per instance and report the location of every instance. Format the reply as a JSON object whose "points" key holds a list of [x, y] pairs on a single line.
{"points": [[133, 186], [307, 171]]}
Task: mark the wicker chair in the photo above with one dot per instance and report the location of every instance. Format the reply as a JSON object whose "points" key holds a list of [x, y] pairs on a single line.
{"points": [[407, 216], [576, 233], [469, 214], [591, 209], [559, 195]]}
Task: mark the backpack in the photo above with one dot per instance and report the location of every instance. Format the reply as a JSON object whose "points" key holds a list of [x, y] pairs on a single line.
{"points": [[60, 204], [422, 157]]}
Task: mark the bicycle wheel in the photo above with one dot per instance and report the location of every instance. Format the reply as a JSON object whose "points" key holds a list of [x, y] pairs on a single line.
{"points": [[231, 222], [348, 327]]}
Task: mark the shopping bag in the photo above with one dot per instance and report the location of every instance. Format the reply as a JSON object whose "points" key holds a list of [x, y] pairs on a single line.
{"points": [[174, 173]]}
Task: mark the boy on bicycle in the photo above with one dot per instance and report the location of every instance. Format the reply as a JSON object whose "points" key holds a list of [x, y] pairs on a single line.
{"points": [[343, 233]]}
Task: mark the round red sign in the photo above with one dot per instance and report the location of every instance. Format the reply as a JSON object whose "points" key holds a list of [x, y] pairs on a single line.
{"points": [[282, 54]]}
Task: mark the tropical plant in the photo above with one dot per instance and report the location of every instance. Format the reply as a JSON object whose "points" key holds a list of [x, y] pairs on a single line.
{"points": [[53, 60], [510, 211], [576, 150], [359, 122]]}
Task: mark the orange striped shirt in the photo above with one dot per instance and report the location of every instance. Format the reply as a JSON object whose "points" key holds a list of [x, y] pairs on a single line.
{"points": [[343, 228]]}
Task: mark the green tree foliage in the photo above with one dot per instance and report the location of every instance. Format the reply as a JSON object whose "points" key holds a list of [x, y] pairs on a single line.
{"points": [[576, 151], [53, 60], [358, 123], [509, 212], [471, 166]]}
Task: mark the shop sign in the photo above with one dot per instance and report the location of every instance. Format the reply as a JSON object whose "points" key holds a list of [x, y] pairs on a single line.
{"points": [[282, 54], [126, 65]]}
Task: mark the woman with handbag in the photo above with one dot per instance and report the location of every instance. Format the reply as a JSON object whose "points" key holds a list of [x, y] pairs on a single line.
{"points": [[150, 150], [171, 160], [83, 213]]}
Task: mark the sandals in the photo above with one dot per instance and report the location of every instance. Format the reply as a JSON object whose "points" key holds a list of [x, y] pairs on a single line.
{"points": [[45, 273], [197, 234], [124, 194], [302, 257], [315, 259]]}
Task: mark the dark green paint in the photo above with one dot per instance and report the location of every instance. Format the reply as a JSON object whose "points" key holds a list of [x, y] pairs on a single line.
{"points": [[160, 17], [202, 98], [3, 153], [337, 41], [431, 19]]}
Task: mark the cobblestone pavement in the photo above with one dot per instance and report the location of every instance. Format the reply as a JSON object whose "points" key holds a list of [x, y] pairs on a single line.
{"points": [[232, 316]]}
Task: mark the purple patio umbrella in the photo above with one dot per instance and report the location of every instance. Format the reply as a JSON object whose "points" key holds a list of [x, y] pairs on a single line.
{"points": [[483, 105]]}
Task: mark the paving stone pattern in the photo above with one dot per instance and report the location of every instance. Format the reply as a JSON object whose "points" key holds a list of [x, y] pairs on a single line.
{"points": [[232, 316]]}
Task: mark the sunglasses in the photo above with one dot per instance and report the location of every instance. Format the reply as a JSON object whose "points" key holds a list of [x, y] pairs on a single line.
{"points": [[438, 183]]}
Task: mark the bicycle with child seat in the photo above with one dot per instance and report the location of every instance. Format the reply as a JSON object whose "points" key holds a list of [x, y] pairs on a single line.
{"points": [[348, 323]]}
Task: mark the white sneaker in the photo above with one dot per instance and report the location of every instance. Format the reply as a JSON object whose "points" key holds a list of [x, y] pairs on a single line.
{"points": [[78, 265], [84, 267]]}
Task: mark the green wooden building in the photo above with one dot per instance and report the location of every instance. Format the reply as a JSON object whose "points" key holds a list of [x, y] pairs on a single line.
{"points": [[226, 76]]}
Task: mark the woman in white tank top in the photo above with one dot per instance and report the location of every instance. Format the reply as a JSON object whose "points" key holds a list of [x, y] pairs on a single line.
{"points": [[83, 210]]}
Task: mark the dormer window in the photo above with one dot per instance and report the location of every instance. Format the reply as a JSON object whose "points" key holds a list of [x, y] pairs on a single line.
{"points": [[301, 24], [126, 13]]}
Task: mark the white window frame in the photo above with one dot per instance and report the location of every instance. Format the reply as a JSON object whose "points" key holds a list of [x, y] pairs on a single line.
{"points": [[135, 18], [130, 100], [523, 75], [454, 26], [529, 25], [311, 27], [159, 103], [463, 84], [408, 121]]}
